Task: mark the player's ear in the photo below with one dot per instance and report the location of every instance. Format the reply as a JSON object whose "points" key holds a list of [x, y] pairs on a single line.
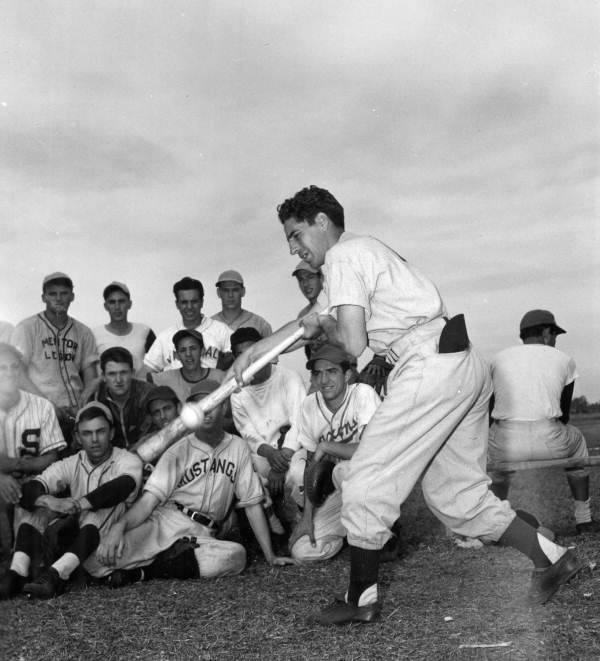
{"points": [[105, 306], [219, 292], [347, 375], [111, 434], [243, 291], [129, 304], [321, 221]]}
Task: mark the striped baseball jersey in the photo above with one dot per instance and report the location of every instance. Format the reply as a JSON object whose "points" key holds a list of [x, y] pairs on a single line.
{"points": [[318, 423], [56, 357], [206, 479]]}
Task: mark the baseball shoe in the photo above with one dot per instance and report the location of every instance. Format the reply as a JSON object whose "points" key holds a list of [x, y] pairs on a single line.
{"points": [[341, 612], [545, 582], [588, 527], [122, 577], [11, 584], [48, 585]]}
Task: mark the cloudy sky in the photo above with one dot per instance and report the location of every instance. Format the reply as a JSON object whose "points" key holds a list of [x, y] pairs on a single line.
{"points": [[146, 140]]}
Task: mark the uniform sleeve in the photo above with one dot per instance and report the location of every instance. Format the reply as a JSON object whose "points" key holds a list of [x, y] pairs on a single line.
{"points": [[305, 438], [22, 339], [243, 423], [345, 286], [165, 476], [51, 436], [149, 340], [571, 374], [89, 351], [59, 475], [295, 394], [130, 464], [367, 403], [248, 488], [155, 359]]}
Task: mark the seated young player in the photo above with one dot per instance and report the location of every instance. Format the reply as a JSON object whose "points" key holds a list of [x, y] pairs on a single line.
{"points": [[332, 421], [190, 494], [102, 480], [189, 347]]}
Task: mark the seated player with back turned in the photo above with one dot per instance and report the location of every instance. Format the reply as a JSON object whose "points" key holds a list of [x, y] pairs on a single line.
{"points": [[533, 387], [101, 479], [190, 493]]}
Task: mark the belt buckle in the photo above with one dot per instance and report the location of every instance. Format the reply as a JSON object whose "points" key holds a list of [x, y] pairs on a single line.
{"points": [[196, 517]]}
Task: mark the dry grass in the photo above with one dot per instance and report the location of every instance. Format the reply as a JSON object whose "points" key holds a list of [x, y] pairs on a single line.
{"points": [[436, 600]]}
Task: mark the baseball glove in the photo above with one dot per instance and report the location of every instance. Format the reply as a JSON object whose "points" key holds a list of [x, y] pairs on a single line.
{"points": [[319, 482]]}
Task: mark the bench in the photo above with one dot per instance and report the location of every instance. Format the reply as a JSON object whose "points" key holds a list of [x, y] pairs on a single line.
{"points": [[569, 462]]}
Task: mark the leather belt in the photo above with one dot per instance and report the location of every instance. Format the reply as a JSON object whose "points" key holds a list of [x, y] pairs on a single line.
{"points": [[198, 517]]}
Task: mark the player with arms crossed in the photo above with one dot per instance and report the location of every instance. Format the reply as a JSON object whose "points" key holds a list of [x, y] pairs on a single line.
{"points": [[433, 422], [331, 423], [190, 493]]}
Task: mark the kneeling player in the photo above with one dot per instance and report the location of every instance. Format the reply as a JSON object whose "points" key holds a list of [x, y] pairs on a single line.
{"points": [[190, 494], [331, 424], [101, 480]]}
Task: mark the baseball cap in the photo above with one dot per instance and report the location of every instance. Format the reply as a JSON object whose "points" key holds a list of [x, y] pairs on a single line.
{"points": [[187, 332], [540, 318], [57, 275], [115, 286], [160, 392], [330, 352], [245, 334], [305, 266], [95, 405], [204, 387], [230, 276]]}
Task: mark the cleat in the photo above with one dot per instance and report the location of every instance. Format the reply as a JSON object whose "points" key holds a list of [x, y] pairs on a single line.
{"points": [[545, 582], [48, 585], [341, 612], [122, 577], [11, 584], [587, 528]]}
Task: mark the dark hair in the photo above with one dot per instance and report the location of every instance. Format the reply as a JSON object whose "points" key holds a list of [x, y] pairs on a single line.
{"points": [[534, 331], [186, 284], [117, 355], [308, 202], [245, 334], [61, 282], [91, 413]]}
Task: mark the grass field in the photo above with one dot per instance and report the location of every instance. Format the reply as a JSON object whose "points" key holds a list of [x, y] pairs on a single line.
{"points": [[439, 601]]}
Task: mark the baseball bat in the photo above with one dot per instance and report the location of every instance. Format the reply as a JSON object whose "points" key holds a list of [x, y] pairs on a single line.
{"points": [[193, 412]]}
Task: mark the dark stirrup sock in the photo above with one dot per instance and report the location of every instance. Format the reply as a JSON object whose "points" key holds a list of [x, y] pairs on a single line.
{"points": [[364, 569], [523, 537], [86, 542]]}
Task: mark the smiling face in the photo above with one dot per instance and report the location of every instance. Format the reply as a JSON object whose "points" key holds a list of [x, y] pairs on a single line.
{"points": [[189, 303], [309, 242], [331, 381], [189, 352], [310, 284]]}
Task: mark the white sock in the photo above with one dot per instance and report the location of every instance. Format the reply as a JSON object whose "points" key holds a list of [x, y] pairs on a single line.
{"points": [[66, 565], [368, 596], [551, 550], [21, 563], [583, 513]]}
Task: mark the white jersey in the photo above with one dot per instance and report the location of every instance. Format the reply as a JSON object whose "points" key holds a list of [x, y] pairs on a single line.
{"points": [[395, 296], [30, 428], [215, 335], [181, 386], [319, 424], [528, 382], [56, 357], [83, 477], [246, 319], [259, 411], [134, 342], [206, 479]]}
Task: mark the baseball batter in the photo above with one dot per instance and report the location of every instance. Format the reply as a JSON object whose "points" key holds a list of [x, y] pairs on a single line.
{"points": [[59, 351], [101, 480], [433, 421], [190, 494], [331, 424], [189, 299]]}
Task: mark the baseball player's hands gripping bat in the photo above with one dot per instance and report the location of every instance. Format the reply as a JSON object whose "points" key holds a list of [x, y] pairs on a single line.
{"points": [[192, 414]]}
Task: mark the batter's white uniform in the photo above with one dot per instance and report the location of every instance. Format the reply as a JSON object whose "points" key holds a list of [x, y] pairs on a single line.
{"points": [[319, 424], [246, 319], [135, 342], [528, 382], [56, 357], [82, 477], [208, 480], [260, 410], [215, 335], [433, 421]]}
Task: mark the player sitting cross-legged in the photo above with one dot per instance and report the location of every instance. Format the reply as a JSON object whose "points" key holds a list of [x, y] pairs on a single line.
{"points": [[190, 493], [101, 480], [332, 421]]}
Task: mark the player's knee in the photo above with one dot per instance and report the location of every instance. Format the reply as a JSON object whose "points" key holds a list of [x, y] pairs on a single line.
{"points": [[217, 558], [306, 554]]}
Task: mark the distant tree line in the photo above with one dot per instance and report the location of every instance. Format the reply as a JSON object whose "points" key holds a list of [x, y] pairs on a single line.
{"points": [[581, 405]]}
